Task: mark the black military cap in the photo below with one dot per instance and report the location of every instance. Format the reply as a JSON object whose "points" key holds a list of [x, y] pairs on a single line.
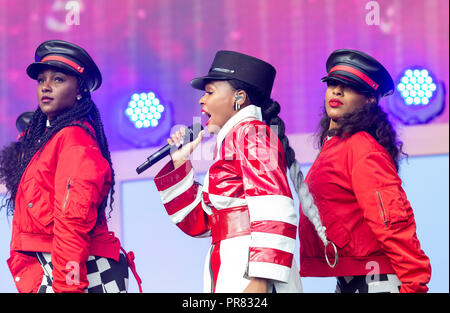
{"points": [[23, 120], [234, 65], [360, 71], [67, 56]]}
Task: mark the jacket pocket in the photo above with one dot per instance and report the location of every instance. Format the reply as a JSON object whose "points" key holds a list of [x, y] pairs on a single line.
{"points": [[393, 205], [382, 210], [338, 234], [66, 196], [79, 200], [38, 204]]}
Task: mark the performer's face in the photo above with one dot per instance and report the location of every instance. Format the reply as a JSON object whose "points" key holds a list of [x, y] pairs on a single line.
{"points": [[341, 99], [56, 92], [217, 103]]}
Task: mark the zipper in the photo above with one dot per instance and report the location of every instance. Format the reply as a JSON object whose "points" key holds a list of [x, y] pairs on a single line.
{"points": [[66, 197], [383, 212]]}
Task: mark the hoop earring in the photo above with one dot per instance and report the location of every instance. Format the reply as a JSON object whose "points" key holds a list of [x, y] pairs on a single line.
{"points": [[237, 106]]}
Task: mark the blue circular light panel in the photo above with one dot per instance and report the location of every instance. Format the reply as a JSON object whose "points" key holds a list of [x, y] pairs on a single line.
{"points": [[416, 87], [144, 110]]}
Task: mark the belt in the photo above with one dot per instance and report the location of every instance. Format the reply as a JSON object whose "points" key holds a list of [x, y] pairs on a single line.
{"points": [[229, 223]]}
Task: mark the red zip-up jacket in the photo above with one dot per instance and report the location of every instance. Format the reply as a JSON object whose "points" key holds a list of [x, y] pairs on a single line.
{"points": [[366, 214], [56, 211]]}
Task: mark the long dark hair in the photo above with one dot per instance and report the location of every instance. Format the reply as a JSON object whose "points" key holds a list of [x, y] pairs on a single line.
{"points": [[369, 118], [15, 157], [270, 110]]}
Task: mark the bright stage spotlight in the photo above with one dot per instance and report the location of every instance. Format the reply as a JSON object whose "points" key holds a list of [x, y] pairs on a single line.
{"points": [[144, 110], [146, 120], [419, 97]]}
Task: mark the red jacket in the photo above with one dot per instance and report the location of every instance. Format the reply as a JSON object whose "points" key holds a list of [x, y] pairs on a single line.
{"points": [[245, 193], [56, 211], [366, 214]]}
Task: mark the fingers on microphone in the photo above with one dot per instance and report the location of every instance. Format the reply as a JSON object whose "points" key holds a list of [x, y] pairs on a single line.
{"points": [[175, 139], [201, 134], [199, 138]]}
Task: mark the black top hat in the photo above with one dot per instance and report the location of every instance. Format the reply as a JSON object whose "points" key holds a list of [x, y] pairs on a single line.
{"points": [[360, 71], [234, 65], [67, 56]]}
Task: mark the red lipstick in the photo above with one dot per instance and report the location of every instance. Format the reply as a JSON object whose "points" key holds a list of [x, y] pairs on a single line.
{"points": [[208, 115], [46, 99], [334, 103]]}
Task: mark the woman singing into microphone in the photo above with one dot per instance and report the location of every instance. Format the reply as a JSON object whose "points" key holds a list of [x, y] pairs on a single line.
{"points": [[245, 203]]}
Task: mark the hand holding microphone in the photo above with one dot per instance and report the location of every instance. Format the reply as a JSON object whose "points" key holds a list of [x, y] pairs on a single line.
{"points": [[186, 138], [180, 155]]}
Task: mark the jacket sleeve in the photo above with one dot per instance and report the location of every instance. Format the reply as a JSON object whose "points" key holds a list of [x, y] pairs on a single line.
{"points": [[182, 199], [82, 175], [273, 219], [388, 213]]}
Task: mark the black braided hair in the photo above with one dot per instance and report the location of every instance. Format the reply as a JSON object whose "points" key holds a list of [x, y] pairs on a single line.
{"points": [[15, 157], [270, 110]]}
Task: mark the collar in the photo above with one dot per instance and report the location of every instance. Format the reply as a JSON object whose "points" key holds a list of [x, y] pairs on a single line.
{"points": [[249, 112]]}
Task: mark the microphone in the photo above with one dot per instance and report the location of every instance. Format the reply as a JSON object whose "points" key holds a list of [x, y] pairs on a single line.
{"points": [[191, 133]]}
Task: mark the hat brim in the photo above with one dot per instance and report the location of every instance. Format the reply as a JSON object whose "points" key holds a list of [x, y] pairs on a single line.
{"points": [[200, 82], [347, 82], [35, 68]]}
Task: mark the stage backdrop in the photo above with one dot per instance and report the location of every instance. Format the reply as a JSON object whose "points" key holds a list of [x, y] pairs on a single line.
{"points": [[160, 45]]}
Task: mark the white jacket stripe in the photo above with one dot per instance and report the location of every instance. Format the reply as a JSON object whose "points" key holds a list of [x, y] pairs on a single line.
{"points": [[181, 214], [272, 208], [274, 241], [274, 271], [223, 202], [174, 191]]}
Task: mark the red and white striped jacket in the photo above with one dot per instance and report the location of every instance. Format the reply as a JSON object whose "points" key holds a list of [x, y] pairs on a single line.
{"points": [[245, 195]]}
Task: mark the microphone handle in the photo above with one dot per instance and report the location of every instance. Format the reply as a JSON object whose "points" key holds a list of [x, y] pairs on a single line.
{"points": [[191, 133], [155, 157]]}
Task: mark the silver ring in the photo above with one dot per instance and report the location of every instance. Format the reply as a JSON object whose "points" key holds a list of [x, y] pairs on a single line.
{"points": [[335, 255]]}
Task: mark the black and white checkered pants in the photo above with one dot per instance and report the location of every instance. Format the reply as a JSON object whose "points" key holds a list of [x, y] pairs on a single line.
{"points": [[104, 275], [382, 283]]}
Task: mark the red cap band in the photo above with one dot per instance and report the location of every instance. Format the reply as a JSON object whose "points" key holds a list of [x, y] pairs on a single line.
{"points": [[65, 61], [355, 72]]}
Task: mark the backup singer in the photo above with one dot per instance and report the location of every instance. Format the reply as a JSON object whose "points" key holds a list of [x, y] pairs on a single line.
{"points": [[356, 187], [59, 178]]}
